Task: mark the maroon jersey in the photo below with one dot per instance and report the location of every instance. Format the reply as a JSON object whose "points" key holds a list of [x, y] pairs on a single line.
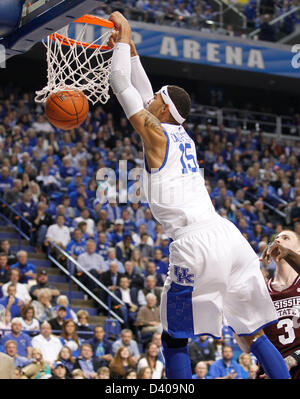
{"points": [[285, 334]]}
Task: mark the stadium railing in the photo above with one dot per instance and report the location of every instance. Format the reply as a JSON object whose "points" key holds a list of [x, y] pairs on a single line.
{"points": [[15, 215], [6, 211], [236, 17], [272, 125], [72, 263]]}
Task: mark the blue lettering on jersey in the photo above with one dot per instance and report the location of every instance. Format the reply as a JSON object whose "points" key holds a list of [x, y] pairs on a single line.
{"points": [[180, 136], [185, 159], [182, 275]]}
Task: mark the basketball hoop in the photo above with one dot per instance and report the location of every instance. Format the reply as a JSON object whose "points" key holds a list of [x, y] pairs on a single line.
{"points": [[74, 64]]}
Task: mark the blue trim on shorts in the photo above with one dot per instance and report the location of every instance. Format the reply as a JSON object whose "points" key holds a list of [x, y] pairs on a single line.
{"points": [[181, 334], [165, 159], [180, 311], [259, 328], [211, 335]]}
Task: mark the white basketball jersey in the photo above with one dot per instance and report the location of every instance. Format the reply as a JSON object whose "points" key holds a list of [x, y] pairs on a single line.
{"points": [[176, 192]]}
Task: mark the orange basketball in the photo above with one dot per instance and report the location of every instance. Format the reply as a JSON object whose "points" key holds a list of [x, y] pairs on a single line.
{"points": [[67, 109]]}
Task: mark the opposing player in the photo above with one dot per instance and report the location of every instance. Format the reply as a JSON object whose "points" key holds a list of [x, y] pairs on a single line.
{"points": [[284, 289], [213, 270], [278, 250]]}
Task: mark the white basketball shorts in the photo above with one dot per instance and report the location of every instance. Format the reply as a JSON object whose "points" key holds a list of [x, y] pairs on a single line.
{"points": [[214, 275]]}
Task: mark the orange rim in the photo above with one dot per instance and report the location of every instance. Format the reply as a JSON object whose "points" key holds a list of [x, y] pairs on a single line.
{"points": [[93, 20], [85, 19]]}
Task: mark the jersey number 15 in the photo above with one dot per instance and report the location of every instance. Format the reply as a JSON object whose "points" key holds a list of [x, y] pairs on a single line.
{"points": [[187, 160]]}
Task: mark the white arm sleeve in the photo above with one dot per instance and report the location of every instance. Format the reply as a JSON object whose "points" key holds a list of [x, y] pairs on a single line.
{"points": [[140, 80], [120, 80]]}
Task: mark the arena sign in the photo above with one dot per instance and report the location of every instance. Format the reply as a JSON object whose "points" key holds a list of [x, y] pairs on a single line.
{"points": [[217, 50], [210, 49]]}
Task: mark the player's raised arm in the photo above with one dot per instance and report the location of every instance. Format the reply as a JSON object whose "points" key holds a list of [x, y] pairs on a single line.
{"points": [[145, 124], [139, 78]]}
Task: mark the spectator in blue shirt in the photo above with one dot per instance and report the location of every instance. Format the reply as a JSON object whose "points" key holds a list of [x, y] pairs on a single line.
{"points": [[76, 182], [27, 270], [245, 361], [149, 222], [247, 213], [11, 350], [250, 12], [266, 192], [77, 245], [164, 245], [117, 234], [282, 164], [6, 181], [245, 228], [227, 153], [220, 168], [129, 225], [216, 191], [79, 191], [201, 349], [286, 194], [102, 244], [226, 368], [27, 207], [66, 170], [11, 302], [24, 346], [201, 372], [161, 266], [87, 363], [102, 348], [250, 178], [150, 11]]}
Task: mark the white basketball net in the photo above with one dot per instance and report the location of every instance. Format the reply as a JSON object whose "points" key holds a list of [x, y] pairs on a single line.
{"points": [[77, 67]]}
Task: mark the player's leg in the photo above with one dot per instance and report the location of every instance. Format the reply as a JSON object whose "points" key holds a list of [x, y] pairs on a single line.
{"points": [[248, 307], [189, 305], [177, 319], [175, 350], [266, 353]]}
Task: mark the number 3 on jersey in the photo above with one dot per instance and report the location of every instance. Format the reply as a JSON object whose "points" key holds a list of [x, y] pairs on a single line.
{"points": [[289, 335], [187, 160]]}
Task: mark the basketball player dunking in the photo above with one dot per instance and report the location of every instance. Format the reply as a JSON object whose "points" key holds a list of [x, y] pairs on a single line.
{"points": [[213, 271], [284, 289]]}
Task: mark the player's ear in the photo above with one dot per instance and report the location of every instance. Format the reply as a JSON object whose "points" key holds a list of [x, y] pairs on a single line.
{"points": [[166, 108]]}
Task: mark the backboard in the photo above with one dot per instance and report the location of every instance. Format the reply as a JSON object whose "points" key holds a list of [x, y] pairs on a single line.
{"points": [[42, 17]]}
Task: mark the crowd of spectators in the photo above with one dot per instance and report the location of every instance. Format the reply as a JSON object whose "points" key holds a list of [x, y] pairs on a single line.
{"points": [[260, 14], [206, 16], [49, 177]]}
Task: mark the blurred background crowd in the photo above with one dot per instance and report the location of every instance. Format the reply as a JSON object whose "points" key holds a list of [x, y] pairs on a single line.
{"points": [[267, 20], [49, 178]]}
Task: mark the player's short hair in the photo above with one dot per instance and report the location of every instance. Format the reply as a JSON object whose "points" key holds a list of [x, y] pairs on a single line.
{"points": [[181, 100]]}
